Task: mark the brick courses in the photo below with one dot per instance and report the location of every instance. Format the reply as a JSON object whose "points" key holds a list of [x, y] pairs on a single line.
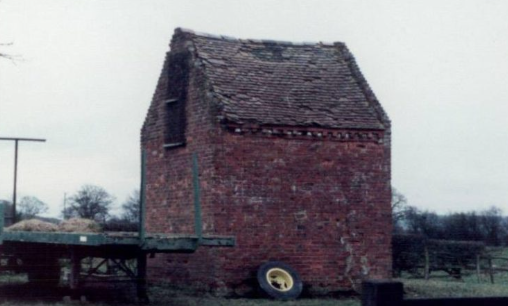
{"points": [[294, 158]]}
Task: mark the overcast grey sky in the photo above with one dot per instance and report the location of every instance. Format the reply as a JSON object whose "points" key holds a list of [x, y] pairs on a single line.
{"points": [[89, 69]]}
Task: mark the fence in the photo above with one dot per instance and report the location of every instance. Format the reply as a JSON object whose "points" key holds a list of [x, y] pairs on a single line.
{"points": [[420, 257], [390, 293], [482, 265]]}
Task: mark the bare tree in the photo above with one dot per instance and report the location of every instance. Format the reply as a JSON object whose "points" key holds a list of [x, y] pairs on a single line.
{"points": [[7, 206], [131, 207], [90, 202], [30, 207], [11, 57], [493, 226], [425, 223], [463, 226], [399, 209], [5, 55]]}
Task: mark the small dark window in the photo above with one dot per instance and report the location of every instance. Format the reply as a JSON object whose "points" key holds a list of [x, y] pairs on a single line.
{"points": [[175, 102]]}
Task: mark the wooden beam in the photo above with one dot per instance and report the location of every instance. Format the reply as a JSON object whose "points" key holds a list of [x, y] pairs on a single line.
{"points": [[198, 223], [22, 139]]}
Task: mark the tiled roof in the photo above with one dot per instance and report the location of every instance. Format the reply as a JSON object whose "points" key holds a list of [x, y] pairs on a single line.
{"points": [[288, 84]]}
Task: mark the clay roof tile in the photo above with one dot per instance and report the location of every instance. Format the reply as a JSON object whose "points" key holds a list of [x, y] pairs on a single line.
{"points": [[267, 82]]}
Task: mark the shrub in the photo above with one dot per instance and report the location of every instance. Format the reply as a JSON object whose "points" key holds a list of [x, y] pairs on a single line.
{"points": [[447, 254], [408, 253]]}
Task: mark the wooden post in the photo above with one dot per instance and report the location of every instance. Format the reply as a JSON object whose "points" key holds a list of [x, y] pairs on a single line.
{"points": [[141, 285], [142, 200], [491, 272], [198, 224], [478, 268], [14, 219], [75, 271], [427, 263], [382, 293], [2, 220], [141, 256]]}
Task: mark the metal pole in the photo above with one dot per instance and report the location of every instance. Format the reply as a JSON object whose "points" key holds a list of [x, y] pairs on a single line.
{"points": [[15, 182]]}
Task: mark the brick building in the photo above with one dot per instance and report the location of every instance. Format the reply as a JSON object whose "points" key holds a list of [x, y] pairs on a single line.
{"points": [[294, 158]]}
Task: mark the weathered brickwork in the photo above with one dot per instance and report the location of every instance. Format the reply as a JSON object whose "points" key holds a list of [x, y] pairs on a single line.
{"points": [[314, 196]]}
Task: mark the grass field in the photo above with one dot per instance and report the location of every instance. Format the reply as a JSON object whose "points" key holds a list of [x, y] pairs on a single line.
{"points": [[419, 288], [177, 298], [414, 288], [14, 291], [442, 285]]}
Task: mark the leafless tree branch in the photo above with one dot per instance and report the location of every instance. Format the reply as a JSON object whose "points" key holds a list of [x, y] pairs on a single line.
{"points": [[12, 57]]}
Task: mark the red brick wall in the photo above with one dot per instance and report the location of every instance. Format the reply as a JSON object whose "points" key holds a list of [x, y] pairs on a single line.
{"points": [[320, 204], [169, 197]]}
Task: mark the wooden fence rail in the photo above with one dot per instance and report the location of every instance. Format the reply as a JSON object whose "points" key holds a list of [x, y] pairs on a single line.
{"points": [[390, 293], [476, 267]]}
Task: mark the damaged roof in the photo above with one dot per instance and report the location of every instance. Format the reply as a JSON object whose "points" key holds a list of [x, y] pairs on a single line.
{"points": [[288, 84]]}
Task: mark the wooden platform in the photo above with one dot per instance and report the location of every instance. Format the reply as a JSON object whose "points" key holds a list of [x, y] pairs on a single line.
{"points": [[150, 243], [38, 253]]}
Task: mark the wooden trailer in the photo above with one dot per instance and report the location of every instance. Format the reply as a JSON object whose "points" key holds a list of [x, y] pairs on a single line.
{"points": [[39, 253]]}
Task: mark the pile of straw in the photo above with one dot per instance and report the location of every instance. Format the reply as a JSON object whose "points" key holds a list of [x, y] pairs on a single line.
{"points": [[78, 225], [32, 225]]}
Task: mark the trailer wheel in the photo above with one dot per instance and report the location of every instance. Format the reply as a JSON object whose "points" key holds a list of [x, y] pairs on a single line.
{"points": [[42, 271], [279, 280]]}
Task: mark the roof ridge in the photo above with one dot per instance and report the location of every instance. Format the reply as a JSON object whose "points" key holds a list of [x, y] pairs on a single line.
{"points": [[270, 82], [260, 41]]}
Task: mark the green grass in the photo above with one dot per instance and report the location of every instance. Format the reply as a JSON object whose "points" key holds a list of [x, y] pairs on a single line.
{"points": [[7, 278], [163, 295], [419, 288], [18, 295], [168, 296], [469, 286]]}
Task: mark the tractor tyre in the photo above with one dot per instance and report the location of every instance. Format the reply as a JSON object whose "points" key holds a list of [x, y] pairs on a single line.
{"points": [[279, 281]]}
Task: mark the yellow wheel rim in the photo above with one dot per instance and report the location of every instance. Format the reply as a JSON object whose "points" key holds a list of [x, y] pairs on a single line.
{"points": [[279, 279]]}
